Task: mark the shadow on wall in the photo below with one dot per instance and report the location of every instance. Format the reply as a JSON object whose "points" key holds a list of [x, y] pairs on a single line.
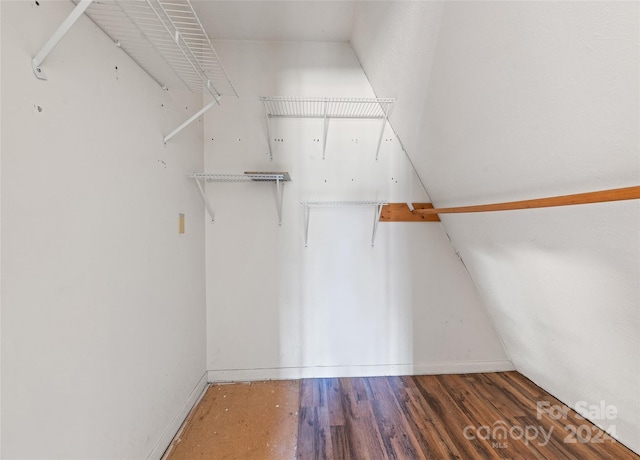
{"points": [[352, 306], [565, 301]]}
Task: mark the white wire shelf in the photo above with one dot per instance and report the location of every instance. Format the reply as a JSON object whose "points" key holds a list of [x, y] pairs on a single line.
{"points": [[246, 177], [377, 206], [338, 204], [327, 108], [166, 38], [279, 178], [321, 107]]}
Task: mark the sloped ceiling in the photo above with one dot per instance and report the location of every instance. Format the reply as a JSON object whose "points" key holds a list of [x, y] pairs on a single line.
{"points": [[534, 99], [277, 20]]}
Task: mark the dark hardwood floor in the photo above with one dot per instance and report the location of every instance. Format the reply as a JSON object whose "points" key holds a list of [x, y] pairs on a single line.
{"points": [[469, 416]]}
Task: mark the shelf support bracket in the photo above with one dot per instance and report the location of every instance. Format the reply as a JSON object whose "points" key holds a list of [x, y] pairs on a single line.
{"points": [[376, 220], [325, 131], [306, 225], [268, 117], [385, 120], [204, 198], [37, 61], [215, 101], [280, 195]]}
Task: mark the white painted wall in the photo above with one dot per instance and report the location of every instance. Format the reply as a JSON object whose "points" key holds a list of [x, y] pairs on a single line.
{"points": [[338, 307], [503, 101], [103, 337]]}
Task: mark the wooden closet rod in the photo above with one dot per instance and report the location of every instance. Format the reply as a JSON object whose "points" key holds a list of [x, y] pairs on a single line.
{"points": [[601, 196]]}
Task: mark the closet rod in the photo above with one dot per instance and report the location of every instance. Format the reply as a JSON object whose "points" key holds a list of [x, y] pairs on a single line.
{"points": [[601, 196]]}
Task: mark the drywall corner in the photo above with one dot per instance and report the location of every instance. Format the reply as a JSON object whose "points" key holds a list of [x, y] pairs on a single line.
{"points": [[174, 426]]}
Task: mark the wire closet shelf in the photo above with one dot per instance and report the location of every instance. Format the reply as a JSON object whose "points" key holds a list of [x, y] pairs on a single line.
{"points": [[259, 177], [340, 204], [325, 107], [167, 39], [278, 178]]}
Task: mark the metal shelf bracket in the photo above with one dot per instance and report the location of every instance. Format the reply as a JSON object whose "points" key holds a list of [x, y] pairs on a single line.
{"points": [[62, 30], [385, 120], [325, 131], [268, 117], [376, 221], [204, 198], [191, 119], [280, 196]]}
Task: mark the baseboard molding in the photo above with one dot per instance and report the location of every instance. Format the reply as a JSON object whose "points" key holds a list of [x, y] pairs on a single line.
{"points": [[161, 446], [286, 373]]}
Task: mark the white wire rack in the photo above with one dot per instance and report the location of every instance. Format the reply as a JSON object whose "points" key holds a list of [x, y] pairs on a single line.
{"points": [[340, 204], [279, 178], [164, 37], [321, 107], [247, 177], [377, 206], [327, 108]]}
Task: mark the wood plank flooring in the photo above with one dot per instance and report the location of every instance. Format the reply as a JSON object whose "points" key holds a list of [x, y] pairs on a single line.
{"points": [[468, 416]]}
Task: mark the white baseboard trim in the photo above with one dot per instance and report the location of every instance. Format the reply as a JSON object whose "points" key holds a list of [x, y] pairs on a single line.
{"points": [[292, 373], [165, 440]]}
